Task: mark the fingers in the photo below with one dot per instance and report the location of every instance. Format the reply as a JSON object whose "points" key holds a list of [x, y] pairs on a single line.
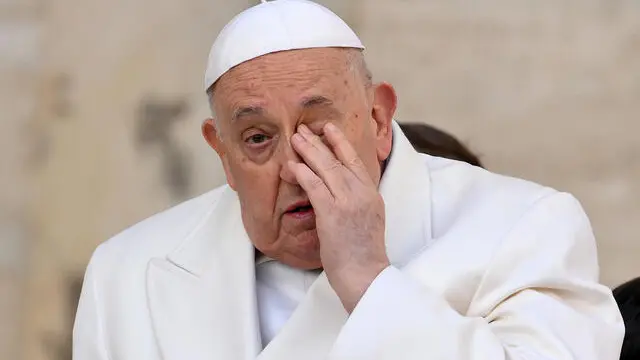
{"points": [[313, 185], [345, 153], [319, 158]]}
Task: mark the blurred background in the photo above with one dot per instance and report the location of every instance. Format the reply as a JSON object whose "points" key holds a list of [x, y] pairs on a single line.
{"points": [[101, 103]]}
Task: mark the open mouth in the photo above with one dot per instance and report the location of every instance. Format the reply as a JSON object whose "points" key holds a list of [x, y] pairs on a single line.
{"points": [[300, 208]]}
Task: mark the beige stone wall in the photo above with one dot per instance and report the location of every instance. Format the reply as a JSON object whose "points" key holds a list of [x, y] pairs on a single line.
{"points": [[19, 45], [543, 89]]}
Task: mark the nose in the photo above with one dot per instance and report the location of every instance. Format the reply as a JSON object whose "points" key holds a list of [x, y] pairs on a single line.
{"points": [[288, 154]]}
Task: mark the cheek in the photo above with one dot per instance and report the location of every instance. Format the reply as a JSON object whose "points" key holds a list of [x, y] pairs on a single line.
{"points": [[363, 140], [360, 136], [257, 188]]}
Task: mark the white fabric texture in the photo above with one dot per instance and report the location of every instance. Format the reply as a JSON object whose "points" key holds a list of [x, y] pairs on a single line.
{"points": [[280, 288]]}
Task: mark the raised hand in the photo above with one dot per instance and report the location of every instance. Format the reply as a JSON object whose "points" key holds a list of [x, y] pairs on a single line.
{"points": [[349, 211]]}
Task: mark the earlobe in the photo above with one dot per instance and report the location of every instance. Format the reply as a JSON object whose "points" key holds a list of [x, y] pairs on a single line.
{"points": [[212, 137]]}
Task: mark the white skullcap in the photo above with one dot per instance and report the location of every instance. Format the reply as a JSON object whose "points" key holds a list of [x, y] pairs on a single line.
{"points": [[274, 26]]}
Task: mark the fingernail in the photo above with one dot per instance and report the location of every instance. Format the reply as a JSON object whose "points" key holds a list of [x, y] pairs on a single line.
{"points": [[304, 129], [297, 137], [329, 127]]}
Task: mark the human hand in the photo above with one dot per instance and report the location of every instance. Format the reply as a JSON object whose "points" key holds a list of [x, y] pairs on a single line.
{"points": [[349, 211]]}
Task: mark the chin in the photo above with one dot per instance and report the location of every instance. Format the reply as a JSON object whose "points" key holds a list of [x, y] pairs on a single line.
{"points": [[303, 252]]}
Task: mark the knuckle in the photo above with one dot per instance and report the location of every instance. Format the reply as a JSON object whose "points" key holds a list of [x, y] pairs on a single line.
{"points": [[356, 162], [315, 183], [333, 165]]}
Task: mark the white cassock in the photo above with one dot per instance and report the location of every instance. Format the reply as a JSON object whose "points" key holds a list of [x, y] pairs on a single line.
{"points": [[483, 267]]}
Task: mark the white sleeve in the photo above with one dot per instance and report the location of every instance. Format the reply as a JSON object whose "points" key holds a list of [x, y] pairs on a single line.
{"points": [[88, 336], [539, 299]]}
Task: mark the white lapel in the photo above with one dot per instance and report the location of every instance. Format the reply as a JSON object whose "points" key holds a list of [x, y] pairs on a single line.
{"points": [[406, 190], [312, 329], [202, 296]]}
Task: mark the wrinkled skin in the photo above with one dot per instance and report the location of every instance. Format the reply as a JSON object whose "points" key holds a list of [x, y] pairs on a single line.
{"points": [[263, 108]]}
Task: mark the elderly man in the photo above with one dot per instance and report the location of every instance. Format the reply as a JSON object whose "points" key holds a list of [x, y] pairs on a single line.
{"points": [[334, 239]]}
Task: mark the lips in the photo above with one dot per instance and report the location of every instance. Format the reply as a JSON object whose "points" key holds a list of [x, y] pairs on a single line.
{"points": [[299, 207]]}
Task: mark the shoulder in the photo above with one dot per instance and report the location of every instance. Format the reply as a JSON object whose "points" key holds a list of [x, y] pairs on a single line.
{"points": [[472, 181], [511, 225], [159, 234], [469, 195]]}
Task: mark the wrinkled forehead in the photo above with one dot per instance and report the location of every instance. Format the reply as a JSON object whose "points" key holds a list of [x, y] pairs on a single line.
{"points": [[286, 75]]}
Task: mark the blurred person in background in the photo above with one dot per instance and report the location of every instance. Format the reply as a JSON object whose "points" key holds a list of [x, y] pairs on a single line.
{"points": [[627, 296], [334, 238], [435, 142]]}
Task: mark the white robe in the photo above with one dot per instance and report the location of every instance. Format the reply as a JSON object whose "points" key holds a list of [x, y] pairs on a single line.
{"points": [[279, 291], [483, 267]]}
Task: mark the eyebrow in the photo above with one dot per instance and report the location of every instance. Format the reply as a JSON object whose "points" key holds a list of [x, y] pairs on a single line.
{"points": [[316, 100], [246, 111]]}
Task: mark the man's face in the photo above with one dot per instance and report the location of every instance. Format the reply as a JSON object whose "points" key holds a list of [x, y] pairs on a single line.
{"points": [[259, 105]]}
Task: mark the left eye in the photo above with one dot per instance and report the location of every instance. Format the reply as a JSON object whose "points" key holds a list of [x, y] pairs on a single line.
{"points": [[256, 139]]}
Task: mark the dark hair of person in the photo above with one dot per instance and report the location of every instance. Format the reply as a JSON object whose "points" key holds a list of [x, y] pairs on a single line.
{"points": [[627, 296], [432, 141]]}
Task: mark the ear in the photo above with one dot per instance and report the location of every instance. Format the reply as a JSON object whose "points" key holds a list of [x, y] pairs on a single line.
{"points": [[384, 106], [212, 136]]}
